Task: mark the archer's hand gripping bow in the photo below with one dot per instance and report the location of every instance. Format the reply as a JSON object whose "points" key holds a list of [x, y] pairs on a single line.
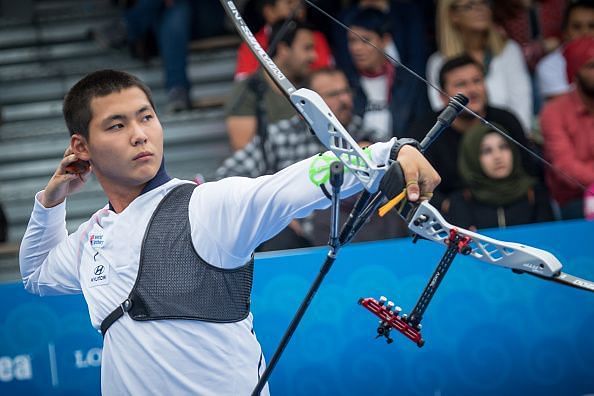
{"points": [[424, 220]]}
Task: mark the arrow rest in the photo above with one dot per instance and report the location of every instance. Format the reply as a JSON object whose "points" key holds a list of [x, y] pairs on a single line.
{"points": [[410, 325]]}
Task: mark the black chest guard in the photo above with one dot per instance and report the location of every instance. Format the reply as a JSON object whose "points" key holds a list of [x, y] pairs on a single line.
{"points": [[174, 282]]}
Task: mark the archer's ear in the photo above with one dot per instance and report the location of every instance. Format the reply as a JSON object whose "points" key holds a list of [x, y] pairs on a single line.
{"points": [[80, 147]]}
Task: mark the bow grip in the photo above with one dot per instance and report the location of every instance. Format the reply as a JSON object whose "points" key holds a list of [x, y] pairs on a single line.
{"points": [[393, 181]]}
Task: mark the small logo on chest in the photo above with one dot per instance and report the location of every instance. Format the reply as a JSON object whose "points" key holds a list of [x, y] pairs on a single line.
{"points": [[96, 241], [100, 275]]}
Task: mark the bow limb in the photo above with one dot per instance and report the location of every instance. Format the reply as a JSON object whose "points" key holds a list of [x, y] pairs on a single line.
{"points": [[427, 223], [283, 83], [314, 110]]}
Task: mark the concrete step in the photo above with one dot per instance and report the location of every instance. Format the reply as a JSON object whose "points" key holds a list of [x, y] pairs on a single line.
{"points": [[62, 8], [108, 59], [52, 109], [37, 35], [27, 36], [59, 77], [47, 12], [50, 53]]}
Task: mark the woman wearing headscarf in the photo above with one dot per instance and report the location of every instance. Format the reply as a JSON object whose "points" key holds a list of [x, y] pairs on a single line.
{"points": [[498, 192]]}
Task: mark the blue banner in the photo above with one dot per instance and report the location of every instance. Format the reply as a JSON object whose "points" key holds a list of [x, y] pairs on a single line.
{"points": [[488, 331]]}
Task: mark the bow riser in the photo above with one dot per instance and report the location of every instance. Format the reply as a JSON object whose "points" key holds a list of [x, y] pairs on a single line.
{"points": [[335, 138]]}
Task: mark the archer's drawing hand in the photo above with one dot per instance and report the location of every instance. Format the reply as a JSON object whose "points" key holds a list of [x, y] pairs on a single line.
{"points": [[69, 177]]}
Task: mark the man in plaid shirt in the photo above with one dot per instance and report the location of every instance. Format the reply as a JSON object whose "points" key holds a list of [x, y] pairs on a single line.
{"points": [[289, 141]]}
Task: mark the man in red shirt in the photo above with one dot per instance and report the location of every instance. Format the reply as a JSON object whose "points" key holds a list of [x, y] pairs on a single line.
{"points": [[272, 12], [567, 124]]}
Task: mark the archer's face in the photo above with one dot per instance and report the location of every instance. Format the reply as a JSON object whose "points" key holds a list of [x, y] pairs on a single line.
{"points": [[125, 145]]}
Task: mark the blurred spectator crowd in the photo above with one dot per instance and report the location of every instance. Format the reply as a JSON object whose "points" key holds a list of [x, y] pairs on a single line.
{"points": [[526, 66]]}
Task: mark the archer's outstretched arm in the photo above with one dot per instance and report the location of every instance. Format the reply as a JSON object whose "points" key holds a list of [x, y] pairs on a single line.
{"points": [[241, 212]]}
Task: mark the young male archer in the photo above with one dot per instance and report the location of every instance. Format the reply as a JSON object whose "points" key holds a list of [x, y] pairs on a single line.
{"points": [[176, 259]]}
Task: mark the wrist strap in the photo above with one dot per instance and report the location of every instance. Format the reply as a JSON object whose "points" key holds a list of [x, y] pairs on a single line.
{"points": [[395, 150]]}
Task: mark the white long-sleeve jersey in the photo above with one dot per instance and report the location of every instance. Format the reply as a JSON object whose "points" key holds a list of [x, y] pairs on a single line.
{"points": [[228, 220]]}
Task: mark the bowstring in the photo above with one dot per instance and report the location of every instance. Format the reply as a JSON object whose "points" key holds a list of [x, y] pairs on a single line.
{"points": [[441, 91]]}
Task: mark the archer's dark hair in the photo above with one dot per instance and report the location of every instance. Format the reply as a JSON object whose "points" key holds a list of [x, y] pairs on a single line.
{"points": [[573, 5], [77, 103], [284, 31], [372, 19], [455, 63]]}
